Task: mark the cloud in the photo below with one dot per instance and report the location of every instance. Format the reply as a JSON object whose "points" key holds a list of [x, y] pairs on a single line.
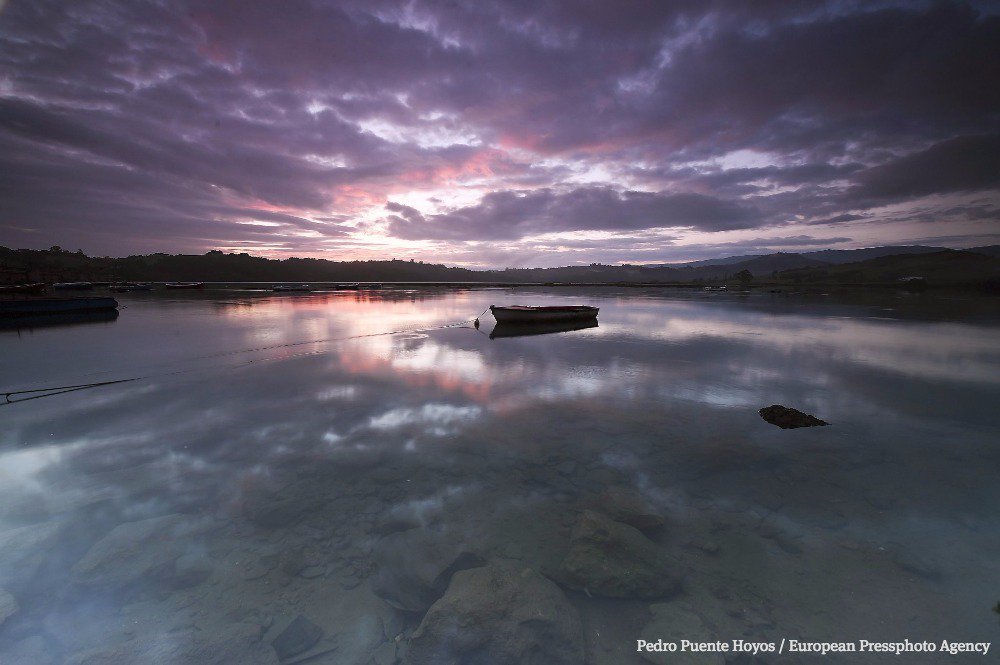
{"points": [[961, 164], [169, 125], [519, 214]]}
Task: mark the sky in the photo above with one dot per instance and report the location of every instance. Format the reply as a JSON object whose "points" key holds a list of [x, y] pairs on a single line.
{"points": [[496, 134]]}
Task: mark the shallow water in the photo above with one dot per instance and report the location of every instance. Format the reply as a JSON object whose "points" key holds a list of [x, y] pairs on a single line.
{"points": [[234, 489]]}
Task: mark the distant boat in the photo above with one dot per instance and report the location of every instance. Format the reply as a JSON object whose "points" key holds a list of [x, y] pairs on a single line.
{"points": [[24, 288], [347, 287], [73, 286], [526, 329], [185, 285], [39, 306], [716, 288], [373, 285], [288, 288], [127, 288], [528, 314]]}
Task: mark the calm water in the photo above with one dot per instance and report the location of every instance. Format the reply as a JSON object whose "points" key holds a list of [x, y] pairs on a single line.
{"points": [[200, 510]]}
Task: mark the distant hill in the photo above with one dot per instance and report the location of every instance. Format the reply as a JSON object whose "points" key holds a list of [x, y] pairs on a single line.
{"points": [[943, 267], [820, 257], [988, 250], [837, 256]]}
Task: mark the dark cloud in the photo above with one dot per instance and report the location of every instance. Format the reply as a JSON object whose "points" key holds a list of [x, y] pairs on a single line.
{"points": [[189, 125], [961, 164], [512, 215]]}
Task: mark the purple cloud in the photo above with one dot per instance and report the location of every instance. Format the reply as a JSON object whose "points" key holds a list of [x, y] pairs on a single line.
{"points": [[191, 125]]}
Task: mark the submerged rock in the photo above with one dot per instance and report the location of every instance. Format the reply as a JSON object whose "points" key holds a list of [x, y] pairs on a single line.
{"points": [[415, 566], [134, 551], [8, 606], [787, 418], [24, 550], [300, 635], [624, 505], [496, 614], [238, 643], [612, 559], [672, 622]]}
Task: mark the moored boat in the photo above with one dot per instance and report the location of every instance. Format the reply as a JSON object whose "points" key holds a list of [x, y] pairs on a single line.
{"points": [[24, 288], [129, 287], [527, 329], [529, 314], [185, 285], [73, 286], [39, 306], [292, 288]]}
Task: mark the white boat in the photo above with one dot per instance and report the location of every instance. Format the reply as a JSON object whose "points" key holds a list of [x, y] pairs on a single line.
{"points": [[529, 314]]}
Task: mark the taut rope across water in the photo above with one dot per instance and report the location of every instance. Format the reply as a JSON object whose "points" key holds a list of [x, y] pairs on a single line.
{"points": [[38, 393]]}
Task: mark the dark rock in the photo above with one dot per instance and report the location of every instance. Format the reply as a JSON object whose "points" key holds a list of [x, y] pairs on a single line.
{"points": [[300, 635], [612, 559], [497, 614], [413, 567], [787, 418], [624, 505]]}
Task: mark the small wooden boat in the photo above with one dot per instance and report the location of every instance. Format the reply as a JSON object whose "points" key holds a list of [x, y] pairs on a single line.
{"points": [[73, 286], [540, 328], [24, 288], [292, 288], [185, 285], [39, 306], [529, 314], [57, 319]]}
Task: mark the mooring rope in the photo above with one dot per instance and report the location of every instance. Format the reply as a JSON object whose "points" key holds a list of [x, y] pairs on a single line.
{"points": [[59, 390]]}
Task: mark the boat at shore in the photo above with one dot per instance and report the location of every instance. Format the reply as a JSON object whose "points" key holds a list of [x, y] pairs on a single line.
{"points": [[24, 288], [292, 288], [184, 285], [73, 286], [529, 314], [44, 306]]}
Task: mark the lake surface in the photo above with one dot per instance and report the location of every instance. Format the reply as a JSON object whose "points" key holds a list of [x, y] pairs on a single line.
{"points": [[343, 475]]}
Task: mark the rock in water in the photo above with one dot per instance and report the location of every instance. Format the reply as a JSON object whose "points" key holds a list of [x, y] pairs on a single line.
{"points": [[608, 558], [500, 613], [787, 418], [415, 566], [625, 505], [300, 635], [133, 552], [237, 643], [673, 623]]}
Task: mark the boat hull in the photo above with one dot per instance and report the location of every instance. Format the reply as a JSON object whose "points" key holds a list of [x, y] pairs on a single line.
{"points": [[540, 328], [42, 306], [522, 314]]}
